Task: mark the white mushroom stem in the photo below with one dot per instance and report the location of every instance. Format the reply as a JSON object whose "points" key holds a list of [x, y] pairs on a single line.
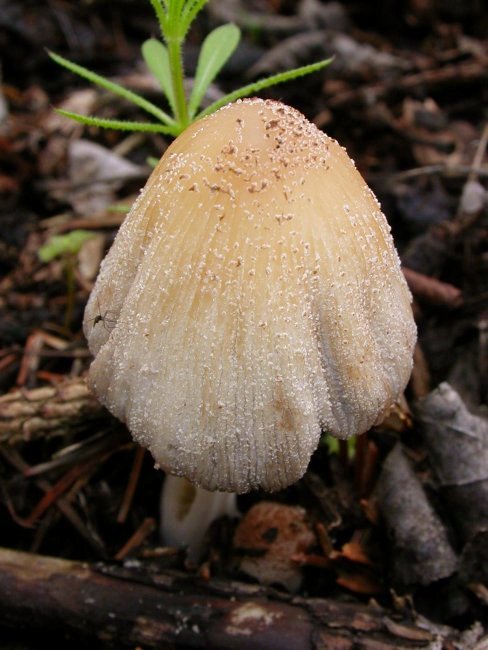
{"points": [[187, 512]]}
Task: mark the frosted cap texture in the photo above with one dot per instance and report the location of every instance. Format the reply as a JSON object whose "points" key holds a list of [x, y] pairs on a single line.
{"points": [[252, 298]]}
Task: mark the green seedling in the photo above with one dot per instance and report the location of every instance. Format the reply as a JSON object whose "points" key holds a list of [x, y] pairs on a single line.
{"points": [[122, 208], [164, 59], [340, 447], [62, 245], [66, 247]]}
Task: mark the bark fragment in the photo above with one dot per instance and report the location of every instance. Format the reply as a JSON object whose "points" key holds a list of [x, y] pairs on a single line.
{"points": [[422, 553], [457, 442]]}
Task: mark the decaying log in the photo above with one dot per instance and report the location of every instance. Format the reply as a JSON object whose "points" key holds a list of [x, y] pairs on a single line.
{"points": [[134, 608]]}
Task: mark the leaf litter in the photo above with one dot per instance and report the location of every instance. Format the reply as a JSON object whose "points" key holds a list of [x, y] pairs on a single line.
{"points": [[409, 111]]}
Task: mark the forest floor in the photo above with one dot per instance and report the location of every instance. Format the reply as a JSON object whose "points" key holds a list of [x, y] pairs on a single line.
{"points": [[397, 523]]}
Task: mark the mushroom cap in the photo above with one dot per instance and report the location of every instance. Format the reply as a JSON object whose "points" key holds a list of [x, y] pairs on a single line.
{"points": [[252, 298]]}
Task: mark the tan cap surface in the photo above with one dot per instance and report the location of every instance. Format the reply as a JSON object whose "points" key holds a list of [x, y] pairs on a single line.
{"points": [[255, 297]]}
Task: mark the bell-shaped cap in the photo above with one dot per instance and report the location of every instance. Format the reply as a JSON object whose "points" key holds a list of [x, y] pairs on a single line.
{"points": [[252, 298]]}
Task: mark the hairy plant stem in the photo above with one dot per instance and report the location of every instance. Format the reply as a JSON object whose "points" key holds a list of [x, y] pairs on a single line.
{"points": [[176, 66]]}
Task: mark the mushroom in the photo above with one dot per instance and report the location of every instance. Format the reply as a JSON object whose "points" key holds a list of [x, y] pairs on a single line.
{"points": [[256, 299], [187, 511]]}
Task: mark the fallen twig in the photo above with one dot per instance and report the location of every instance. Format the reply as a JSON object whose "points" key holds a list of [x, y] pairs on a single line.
{"points": [[129, 608]]}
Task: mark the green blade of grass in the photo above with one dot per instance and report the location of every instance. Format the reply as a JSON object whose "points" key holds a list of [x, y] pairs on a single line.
{"points": [[114, 88], [118, 125], [256, 86]]}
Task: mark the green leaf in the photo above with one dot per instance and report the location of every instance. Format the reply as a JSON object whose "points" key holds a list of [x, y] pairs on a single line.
{"points": [[161, 14], [118, 125], [255, 87], [216, 50], [157, 60], [331, 443], [119, 207], [190, 12], [178, 6], [114, 88], [334, 445], [59, 245]]}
